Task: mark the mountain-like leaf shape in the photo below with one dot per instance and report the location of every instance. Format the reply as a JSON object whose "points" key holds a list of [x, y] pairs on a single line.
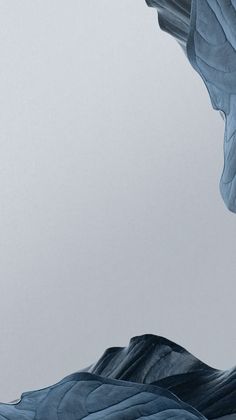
{"points": [[207, 31], [155, 360], [150, 379]]}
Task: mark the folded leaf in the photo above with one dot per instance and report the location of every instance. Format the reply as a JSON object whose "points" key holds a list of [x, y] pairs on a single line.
{"points": [[206, 29], [151, 359]]}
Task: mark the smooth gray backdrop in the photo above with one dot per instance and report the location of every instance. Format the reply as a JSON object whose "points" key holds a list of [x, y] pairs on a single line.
{"points": [[112, 224]]}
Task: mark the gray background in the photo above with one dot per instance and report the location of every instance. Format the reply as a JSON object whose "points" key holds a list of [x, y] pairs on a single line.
{"points": [[112, 224]]}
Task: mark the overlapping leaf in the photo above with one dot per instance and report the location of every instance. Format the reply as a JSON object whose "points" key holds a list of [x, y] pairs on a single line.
{"points": [[87, 396], [155, 360]]}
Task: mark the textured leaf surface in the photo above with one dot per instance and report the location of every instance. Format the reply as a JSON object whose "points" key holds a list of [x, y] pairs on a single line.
{"points": [[87, 396], [207, 31], [151, 378], [155, 360]]}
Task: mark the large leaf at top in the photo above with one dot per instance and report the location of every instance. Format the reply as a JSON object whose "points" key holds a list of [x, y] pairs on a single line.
{"points": [[207, 31]]}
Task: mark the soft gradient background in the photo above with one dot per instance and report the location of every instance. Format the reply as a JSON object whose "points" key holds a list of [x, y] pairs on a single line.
{"points": [[112, 224]]}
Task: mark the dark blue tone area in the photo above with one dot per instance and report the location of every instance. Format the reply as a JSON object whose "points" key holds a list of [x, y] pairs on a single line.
{"points": [[152, 378], [155, 360], [206, 29], [174, 17]]}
